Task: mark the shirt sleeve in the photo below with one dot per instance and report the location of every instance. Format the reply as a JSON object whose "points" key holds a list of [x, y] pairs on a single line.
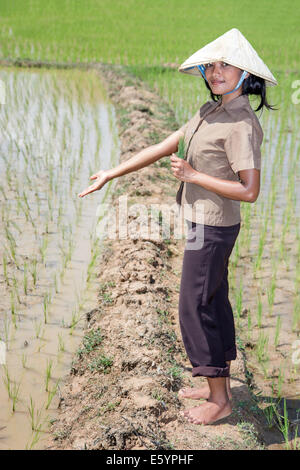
{"points": [[242, 146]]}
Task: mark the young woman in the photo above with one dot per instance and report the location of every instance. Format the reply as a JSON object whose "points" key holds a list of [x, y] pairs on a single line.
{"points": [[220, 169]]}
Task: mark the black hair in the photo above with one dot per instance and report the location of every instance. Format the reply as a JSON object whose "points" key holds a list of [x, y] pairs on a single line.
{"points": [[253, 85]]}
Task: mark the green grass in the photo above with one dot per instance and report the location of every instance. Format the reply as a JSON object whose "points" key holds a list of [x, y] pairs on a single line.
{"points": [[154, 32]]}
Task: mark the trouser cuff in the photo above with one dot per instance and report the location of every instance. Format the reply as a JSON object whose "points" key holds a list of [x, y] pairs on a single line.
{"points": [[210, 371], [230, 355]]}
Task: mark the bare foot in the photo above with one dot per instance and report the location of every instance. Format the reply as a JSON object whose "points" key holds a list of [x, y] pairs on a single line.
{"points": [[194, 393], [207, 413], [198, 393]]}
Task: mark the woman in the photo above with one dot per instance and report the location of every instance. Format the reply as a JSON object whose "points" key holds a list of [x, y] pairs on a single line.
{"points": [[222, 168]]}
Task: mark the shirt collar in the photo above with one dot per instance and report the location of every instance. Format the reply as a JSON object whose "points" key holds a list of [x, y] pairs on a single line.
{"points": [[235, 103]]}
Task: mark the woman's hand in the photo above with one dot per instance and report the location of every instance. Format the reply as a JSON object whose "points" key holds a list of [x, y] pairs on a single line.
{"points": [[101, 178], [182, 169]]}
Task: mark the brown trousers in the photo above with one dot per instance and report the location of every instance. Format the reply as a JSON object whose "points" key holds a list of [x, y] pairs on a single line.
{"points": [[205, 313]]}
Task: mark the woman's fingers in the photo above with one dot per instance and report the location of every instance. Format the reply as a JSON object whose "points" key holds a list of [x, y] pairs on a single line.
{"points": [[89, 190]]}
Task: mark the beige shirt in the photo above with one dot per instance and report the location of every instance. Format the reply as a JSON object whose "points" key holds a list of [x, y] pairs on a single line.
{"points": [[228, 140]]}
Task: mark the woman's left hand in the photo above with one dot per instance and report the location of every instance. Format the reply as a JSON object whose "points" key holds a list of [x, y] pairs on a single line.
{"points": [[182, 169]]}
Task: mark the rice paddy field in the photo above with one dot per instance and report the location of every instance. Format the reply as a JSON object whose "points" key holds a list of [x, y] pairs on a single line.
{"points": [[41, 169]]}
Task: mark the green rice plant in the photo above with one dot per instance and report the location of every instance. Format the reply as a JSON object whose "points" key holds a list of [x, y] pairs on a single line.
{"points": [[61, 344], [238, 302], [46, 303], [25, 279], [13, 308], [24, 360], [48, 373], [33, 271], [5, 269], [55, 283], [181, 148], [271, 293], [36, 436], [280, 382], [283, 425], [35, 416], [52, 393], [262, 347], [270, 413], [259, 311], [15, 387], [277, 331], [249, 321], [76, 317], [15, 287], [296, 314], [7, 380], [37, 327], [261, 244], [43, 248]]}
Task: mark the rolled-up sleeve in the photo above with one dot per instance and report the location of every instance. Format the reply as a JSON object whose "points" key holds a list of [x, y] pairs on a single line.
{"points": [[242, 146]]}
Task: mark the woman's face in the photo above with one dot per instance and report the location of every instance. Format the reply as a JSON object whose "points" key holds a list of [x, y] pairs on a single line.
{"points": [[222, 77]]}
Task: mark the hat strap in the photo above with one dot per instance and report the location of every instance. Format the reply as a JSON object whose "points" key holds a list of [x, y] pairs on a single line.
{"points": [[202, 70]]}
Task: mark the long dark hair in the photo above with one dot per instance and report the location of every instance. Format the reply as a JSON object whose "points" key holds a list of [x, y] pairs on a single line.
{"points": [[253, 85]]}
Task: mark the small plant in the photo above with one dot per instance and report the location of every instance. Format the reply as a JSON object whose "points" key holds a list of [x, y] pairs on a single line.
{"points": [[181, 148], [48, 373], [90, 341], [101, 364]]}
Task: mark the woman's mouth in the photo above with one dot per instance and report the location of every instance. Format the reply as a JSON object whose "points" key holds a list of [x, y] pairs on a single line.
{"points": [[216, 82]]}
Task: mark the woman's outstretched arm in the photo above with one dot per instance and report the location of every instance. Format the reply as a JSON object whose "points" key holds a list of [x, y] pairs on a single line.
{"points": [[143, 158]]}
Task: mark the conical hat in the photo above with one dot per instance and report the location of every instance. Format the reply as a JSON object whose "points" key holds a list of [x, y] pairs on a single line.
{"points": [[233, 48]]}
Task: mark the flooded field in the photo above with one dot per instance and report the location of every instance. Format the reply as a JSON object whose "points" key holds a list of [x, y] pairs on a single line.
{"points": [[57, 128]]}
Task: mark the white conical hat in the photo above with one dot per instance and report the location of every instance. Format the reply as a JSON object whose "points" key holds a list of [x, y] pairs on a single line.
{"points": [[233, 48]]}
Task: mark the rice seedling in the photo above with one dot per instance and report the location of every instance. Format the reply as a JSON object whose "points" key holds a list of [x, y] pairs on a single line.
{"points": [[35, 416], [259, 311], [13, 308], [7, 380], [181, 148], [76, 317], [296, 314], [283, 424], [25, 279], [238, 302], [15, 288], [34, 271], [52, 393], [43, 248], [46, 303], [48, 373], [61, 344], [14, 393], [271, 293], [37, 327], [24, 360], [262, 347], [4, 263], [36, 436], [280, 382], [277, 331]]}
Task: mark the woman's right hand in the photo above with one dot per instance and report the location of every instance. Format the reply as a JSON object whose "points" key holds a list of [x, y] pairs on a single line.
{"points": [[101, 178]]}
